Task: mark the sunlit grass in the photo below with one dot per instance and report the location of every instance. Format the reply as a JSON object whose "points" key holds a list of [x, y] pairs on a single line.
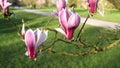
{"points": [[12, 48], [111, 15]]}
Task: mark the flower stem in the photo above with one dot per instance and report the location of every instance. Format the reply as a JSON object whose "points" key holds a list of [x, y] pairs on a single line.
{"points": [[83, 26]]}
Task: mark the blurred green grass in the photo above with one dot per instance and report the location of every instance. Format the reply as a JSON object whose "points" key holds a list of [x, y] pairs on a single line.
{"points": [[12, 48], [111, 15]]}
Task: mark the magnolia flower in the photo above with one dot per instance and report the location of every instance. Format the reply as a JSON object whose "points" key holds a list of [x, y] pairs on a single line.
{"points": [[33, 39], [4, 4], [92, 5], [23, 31], [69, 23], [61, 4]]}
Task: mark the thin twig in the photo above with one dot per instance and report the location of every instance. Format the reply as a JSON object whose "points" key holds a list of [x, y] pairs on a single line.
{"points": [[112, 45], [49, 46], [53, 42], [83, 26], [51, 30], [92, 51]]}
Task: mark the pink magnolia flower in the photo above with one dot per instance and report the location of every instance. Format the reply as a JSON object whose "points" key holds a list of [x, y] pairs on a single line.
{"points": [[4, 4], [69, 23], [92, 5], [61, 4], [33, 39], [23, 31]]}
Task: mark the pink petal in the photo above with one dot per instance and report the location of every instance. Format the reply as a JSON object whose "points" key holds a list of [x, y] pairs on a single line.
{"points": [[41, 37], [30, 43], [92, 5], [63, 18], [70, 33], [37, 33], [61, 31], [61, 4], [1, 3], [100, 12], [73, 21], [23, 30], [7, 4], [26, 53]]}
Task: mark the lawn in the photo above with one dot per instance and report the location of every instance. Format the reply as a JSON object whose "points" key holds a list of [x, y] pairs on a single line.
{"points": [[12, 48], [111, 15]]}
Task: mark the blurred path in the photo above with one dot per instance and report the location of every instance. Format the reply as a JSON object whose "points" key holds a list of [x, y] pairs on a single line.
{"points": [[93, 22]]}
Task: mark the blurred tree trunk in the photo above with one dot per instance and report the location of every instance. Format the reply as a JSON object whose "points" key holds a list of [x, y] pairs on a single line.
{"points": [[47, 2], [116, 3], [15, 2], [72, 3]]}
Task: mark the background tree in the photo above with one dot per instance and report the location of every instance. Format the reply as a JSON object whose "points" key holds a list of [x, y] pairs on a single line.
{"points": [[116, 3], [72, 3], [14, 2]]}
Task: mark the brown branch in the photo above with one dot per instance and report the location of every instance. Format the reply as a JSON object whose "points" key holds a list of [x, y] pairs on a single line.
{"points": [[73, 54], [71, 42], [112, 45], [51, 30], [67, 41], [82, 26], [92, 51], [53, 42], [49, 46], [77, 44]]}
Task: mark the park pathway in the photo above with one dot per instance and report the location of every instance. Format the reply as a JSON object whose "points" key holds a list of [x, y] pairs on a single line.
{"points": [[93, 22]]}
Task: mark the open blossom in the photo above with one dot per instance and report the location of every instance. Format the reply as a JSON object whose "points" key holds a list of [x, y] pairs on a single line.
{"points": [[4, 4], [69, 23], [92, 5], [60, 4], [33, 39]]}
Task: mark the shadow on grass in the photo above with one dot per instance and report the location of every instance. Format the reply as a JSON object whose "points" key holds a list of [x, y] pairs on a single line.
{"points": [[12, 52], [100, 36], [30, 19], [6, 26], [13, 57]]}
